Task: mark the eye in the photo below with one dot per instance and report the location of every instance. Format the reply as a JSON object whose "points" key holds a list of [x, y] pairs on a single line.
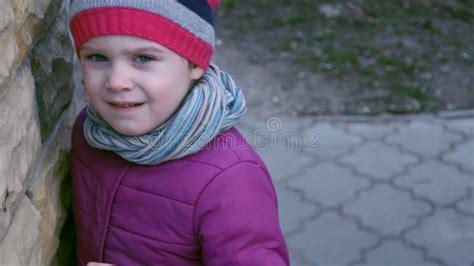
{"points": [[97, 58], [144, 58]]}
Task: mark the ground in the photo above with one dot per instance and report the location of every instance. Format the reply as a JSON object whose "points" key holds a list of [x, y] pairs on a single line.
{"points": [[311, 57]]}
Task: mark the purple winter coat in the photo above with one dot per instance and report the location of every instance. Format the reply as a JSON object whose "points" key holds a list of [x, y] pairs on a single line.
{"points": [[215, 207]]}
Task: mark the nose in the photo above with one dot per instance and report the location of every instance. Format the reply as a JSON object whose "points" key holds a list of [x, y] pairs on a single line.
{"points": [[119, 78]]}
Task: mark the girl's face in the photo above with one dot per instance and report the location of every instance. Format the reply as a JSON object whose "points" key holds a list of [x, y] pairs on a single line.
{"points": [[133, 83]]}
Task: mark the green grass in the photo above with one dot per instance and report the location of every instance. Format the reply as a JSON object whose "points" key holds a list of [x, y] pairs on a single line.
{"points": [[372, 32], [229, 3]]}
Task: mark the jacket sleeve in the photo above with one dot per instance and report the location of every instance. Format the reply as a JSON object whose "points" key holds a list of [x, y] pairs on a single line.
{"points": [[236, 219]]}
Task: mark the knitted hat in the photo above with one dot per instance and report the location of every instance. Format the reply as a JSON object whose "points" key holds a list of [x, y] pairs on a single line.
{"points": [[184, 26]]}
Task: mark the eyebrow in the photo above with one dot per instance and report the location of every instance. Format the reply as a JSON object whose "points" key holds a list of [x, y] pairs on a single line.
{"points": [[144, 49], [147, 49]]}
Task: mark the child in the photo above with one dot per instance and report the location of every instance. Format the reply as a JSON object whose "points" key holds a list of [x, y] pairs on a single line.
{"points": [[160, 175]]}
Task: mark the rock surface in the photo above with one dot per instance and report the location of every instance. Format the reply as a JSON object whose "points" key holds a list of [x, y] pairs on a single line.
{"points": [[35, 91]]}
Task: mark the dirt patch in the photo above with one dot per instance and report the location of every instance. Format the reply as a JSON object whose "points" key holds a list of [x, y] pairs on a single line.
{"points": [[314, 57]]}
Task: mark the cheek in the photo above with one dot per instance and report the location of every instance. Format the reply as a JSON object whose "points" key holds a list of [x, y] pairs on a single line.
{"points": [[91, 81], [92, 89], [174, 87], [181, 93], [172, 98], [90, 74], [184, 83], [88, 85]]}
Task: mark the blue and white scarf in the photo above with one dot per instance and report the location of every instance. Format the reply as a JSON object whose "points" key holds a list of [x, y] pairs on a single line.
{"points": [[214, 105]]}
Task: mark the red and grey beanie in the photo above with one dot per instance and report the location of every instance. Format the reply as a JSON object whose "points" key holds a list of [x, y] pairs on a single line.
{"points": [[184, 26]]}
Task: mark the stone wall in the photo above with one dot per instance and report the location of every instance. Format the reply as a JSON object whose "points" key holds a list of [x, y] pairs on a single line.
{"points": [[36, 115]]}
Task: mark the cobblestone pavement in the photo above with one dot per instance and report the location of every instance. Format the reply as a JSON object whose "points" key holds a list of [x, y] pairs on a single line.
{"points": [[372, 191]]}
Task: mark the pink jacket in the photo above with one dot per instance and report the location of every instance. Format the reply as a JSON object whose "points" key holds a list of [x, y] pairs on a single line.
{"points": [[216, 207]]}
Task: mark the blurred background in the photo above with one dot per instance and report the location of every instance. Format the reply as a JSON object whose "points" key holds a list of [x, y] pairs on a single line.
{"points": [[356, 57], [363, 112]]}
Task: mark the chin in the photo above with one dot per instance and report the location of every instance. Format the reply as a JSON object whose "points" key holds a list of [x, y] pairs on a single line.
{"points": [[133, 128], [132, 132]]}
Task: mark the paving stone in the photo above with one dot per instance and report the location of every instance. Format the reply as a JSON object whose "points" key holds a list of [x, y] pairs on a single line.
{"points": [[465, 125], [329, 184], [331, 240], [395, 253], [298, 260], [463, 155], [276, 123], [292, 209], [379, 160], [447, 235], [330, 141], [282, 161], [440, 183], [372, 130], [424, 138], [467, 205], [275, 133], [387, 210]]}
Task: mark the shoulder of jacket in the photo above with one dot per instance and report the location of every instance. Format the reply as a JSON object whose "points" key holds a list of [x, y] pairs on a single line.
{"points": [[225, 150]]}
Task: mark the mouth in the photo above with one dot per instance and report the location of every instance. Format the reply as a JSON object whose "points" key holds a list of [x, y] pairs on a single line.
{"points": [[125, 105]]}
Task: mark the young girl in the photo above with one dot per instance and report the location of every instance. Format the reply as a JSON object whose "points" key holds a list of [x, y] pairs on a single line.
{"points": [[160, 175]]}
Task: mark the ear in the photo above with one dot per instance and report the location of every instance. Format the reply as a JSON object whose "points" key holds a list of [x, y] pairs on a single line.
{"points": [[196, 72]]}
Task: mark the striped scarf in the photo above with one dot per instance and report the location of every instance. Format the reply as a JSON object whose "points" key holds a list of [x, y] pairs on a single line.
{"points": [[214, 105]]}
